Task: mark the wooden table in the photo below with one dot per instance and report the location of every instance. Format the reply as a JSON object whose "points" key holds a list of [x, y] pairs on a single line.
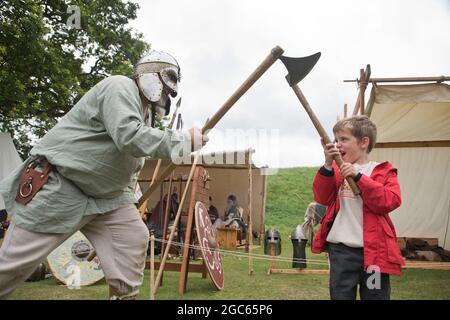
{"points": [[227, 238]]}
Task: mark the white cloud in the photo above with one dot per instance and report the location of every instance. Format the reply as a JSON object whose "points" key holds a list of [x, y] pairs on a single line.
{"points": [[219, 43]]}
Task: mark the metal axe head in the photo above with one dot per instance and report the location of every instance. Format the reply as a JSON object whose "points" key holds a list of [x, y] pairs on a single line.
{"points": [[298, 68]]}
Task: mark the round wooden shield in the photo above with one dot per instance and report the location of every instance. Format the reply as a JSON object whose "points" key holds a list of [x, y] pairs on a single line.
{"points": [[69, 265], [208, 242]]}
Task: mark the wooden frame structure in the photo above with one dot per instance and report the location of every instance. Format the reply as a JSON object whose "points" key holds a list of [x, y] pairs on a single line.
{"points": [[234, 167], [361, 107], [273, 269], [199, 192]]}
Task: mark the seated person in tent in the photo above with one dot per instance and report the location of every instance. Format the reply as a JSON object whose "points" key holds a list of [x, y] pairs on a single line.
{"points": [[356, 230], [233, 216], [173, 206], [155, 218], [84, 167], [212, 212]]}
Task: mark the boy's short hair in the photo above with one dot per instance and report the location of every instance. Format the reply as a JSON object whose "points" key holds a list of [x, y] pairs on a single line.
{"points": [[360, 127]]}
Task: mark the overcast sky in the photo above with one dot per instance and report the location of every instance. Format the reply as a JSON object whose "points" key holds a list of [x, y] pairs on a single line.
{"points": [[219, 43]]}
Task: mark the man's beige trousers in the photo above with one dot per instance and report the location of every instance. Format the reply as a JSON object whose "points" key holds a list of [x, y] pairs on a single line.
{"points": [[119, 237]]}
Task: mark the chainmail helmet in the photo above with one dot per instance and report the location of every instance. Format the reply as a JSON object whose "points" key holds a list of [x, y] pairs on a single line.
{"points": [[156, 73], [272, 239]]}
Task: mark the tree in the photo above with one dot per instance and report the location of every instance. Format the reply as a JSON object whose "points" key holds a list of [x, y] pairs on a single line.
{"points": [[52, 52]]}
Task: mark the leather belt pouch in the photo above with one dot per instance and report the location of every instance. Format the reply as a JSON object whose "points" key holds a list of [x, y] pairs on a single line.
{"points": [[32, 180]]}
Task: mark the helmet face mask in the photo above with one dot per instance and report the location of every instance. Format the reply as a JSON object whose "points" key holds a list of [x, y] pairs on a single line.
{"points": [[151, 86], [158, 74]]}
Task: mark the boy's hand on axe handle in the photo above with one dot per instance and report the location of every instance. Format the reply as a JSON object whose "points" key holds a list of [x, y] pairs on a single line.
{"points": [[198, 140], [330, 151], [348, 170]]}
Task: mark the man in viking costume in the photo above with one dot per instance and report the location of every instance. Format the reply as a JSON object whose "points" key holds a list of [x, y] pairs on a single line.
{"points": [[79, 177]]}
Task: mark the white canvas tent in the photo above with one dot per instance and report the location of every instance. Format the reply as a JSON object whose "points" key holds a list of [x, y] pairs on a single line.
{"points": [[9, 159], [413, 124], [226, 177]]}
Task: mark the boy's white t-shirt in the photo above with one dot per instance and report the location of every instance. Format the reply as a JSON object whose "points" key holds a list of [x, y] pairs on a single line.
{"points": [[348, 225]]}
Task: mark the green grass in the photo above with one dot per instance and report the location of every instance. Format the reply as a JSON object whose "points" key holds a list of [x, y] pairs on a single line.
{"points": [[289, 193]]}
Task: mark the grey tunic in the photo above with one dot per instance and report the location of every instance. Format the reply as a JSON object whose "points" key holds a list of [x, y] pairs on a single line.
{"points": [[97, 148]]}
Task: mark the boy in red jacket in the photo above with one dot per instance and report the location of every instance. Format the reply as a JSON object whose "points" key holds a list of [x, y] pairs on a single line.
{"points": [[356, 230]]}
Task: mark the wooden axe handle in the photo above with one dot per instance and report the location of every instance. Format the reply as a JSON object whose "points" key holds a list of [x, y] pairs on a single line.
{"points": [[323, 134], [275, 53]]}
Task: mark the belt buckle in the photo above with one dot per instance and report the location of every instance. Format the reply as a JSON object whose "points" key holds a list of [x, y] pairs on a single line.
{"points": [[29, 184]]}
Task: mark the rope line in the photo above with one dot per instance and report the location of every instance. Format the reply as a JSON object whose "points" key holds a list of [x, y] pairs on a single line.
{"points": [[246, 255]]}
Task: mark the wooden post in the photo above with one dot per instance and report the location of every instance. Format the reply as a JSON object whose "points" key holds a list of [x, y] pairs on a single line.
{"points": [[362, 88], [263, 215], [161, 205], [364, 79], [152, 266], [187, 238], [273, 261], [249, 242], [345, 111], [179, 224], [143, 206], [272, 253], [167, 212]]}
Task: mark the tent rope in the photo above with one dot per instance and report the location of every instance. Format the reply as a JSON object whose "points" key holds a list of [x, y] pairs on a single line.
{"points": [[246, 255]]}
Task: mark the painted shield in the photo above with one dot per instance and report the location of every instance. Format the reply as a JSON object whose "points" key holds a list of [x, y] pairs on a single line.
{"points": [[69, 265], [210, 247]]}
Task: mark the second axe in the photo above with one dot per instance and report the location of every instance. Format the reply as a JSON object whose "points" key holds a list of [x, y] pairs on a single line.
{"points": [[298, 68]]}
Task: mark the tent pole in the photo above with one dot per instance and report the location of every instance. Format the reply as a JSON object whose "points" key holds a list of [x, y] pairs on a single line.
{"points": [[363, 80], [249, 241], [152, 265], [358, 104], [165, 221], [363, 85], [407, 79], [263, 215], [143, 206]]}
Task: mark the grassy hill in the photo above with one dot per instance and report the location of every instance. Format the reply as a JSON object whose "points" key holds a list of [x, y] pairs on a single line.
{"points": [[288, 194]]}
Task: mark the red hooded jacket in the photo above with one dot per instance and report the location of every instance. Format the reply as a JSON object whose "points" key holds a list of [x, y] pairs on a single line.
{"points": [[380, 194]]}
